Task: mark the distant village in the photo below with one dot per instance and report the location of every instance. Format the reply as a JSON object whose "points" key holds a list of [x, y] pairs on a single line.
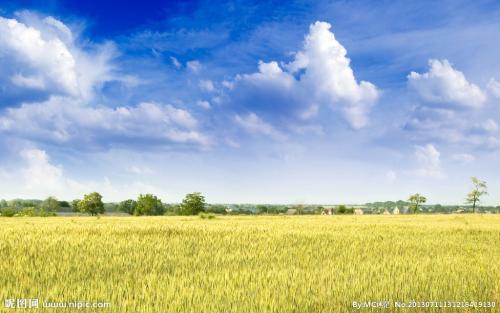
{"points": [[386, 208]]}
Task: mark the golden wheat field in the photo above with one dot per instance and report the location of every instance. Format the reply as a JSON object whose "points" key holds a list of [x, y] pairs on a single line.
{"points": [[252, 264]]}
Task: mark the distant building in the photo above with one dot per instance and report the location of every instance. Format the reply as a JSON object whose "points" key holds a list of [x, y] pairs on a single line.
{"points": [[386, 212], [358, 211], [291, 211], [327, 211], [395, 211]]}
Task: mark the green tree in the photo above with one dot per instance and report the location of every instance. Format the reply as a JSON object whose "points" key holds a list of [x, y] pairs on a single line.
{"points": [[479, 190], [3, 203], [341, 209], [8, 212], [415, 201], [128, 206], [261, 209], [74, 205], [149, 204], [192, 204], [91, 204], [50, 205]]}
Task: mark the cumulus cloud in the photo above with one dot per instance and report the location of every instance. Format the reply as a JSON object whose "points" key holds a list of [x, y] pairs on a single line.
{"points": [[454, 126], [319, 74], [204, 104], [494, 88], [43, 54], [206, 85], [38, 176], [255, 125], [39, 172], [443, 93], [444, 84], [58, 120], [428, 159], [329, 76]]}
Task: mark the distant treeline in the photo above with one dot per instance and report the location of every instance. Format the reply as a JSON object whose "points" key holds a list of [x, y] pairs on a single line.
{"points": [[194, 203]]}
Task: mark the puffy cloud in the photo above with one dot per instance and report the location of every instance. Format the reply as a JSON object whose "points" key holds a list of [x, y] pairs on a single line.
{"points": [[37, 176], [444, 84], [494, 88], [194, 66], [448, 125], [204, 104], [60, 120], [43, 55], [206, 85], [329, 76], [320, 74], [428, 158], [443, 93], [39, 172], [255, 125]]}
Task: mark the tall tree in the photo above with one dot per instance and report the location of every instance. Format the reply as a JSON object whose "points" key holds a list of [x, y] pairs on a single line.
{"points": [[479, 190], [149, 204], [192, 204], [128, 206], [91, 204], [74, 205], [51, 205], [415, 201]]}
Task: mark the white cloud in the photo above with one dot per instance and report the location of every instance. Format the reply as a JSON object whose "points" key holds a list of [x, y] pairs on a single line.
{"points": [[37, 177], [329, 76], [320, 74], [60, 120], [176, 62], [204, 104], [494, 88], [43, 54], [39, 173], [444, 84], [428, 159], [32, 82], [194, 66], [255, 125], [139, 170], [206, 85]]}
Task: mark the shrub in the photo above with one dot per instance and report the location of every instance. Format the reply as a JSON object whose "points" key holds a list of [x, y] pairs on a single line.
{"points": [[44, 213], [8, 212], [204, 215], [28, 211]]}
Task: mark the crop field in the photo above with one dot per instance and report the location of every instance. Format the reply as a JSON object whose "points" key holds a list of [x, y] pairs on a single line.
{"points": [[252, 264]]}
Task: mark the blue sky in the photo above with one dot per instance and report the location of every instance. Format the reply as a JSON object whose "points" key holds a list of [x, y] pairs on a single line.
{"points": [[250, 101]]}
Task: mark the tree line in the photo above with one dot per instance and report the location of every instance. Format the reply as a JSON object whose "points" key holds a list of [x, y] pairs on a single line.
{"points": [[194, 203]]}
